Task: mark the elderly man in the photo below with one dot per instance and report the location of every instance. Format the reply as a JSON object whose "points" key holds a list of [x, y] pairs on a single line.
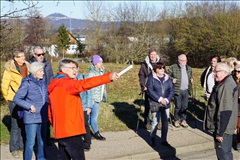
{"points": [[145, 69], [222, 111], [38, 56], [66, 112], [181, 75]]}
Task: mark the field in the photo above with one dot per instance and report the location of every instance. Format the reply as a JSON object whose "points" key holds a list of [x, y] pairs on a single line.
{"points": [[120, 112]]}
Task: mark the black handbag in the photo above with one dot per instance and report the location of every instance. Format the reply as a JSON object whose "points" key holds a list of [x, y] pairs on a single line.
{"points": [[154, 106]]}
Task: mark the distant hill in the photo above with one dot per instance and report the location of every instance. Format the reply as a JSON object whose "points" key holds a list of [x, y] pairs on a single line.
{"points": [[58, 19]]}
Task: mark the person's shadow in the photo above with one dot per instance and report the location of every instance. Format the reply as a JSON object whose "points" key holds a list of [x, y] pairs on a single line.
{"points": [[131, 115]]}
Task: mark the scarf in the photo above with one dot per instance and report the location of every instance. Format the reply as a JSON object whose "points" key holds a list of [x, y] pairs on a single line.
{"points": [[23, 70]]}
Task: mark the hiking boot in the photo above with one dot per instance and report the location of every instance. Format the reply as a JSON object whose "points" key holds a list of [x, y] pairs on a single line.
{"points": [[148, 126], [98, 136], [177, 124], [184, 124], [15, 154], [20, 151], [152, 142]]}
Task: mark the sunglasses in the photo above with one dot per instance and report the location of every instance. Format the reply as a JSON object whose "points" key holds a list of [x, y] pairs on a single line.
{"points": [[161, 67], [237, 71], [41, 54]]}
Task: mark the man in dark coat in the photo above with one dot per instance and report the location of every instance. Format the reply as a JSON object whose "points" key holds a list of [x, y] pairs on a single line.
{"points": [[222, 112], [145, 70]]}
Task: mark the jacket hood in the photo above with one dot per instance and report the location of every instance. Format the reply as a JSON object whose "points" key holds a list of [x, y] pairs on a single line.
{"points": [[10, 65], [94, 69], [55, 81], [147, 61], [166, 76]]}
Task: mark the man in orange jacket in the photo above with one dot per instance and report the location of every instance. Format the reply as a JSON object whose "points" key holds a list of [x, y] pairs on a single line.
{"points": [[65, 110]]}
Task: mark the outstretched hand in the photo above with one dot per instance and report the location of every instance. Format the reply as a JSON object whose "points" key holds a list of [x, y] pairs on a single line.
{"points": [[114, 76]]}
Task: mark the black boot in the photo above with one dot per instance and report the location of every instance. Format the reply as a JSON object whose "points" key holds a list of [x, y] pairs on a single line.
{"points": [[153, 141], [98, 136]]}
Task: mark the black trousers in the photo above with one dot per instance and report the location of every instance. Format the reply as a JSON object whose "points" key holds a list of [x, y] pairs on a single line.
{"points": [[87, 137], [71, 148]]}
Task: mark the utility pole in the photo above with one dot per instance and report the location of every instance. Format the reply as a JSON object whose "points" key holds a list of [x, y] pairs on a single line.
{"points": [[70, 23]]}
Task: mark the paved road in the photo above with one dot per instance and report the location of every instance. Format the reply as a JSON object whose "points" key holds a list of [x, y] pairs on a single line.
{"points": [[202, 155], [190, 143]]}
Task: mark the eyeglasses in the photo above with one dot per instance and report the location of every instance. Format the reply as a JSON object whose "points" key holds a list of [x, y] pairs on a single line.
{"points": [[41, 54], [182, 60], [73, 68], [161, 67], [217, 71], [23, 56]]}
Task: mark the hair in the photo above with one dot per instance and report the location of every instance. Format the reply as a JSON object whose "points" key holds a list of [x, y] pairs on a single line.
{"points": [[181, 55], [152, 50], [76, 64], [37, 47], [63, 63], [223, 66], [17, 51], [230, 62], [216, 57], [158, 65], [234, 72], [35, 66]]}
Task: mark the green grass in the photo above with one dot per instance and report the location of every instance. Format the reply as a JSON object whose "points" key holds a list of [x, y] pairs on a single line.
{"points": [[120, 112]]}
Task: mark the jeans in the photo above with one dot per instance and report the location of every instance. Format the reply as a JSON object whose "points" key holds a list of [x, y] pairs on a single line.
{"points": [[156, 119], [32, 130], [71, 148], [17, 132], [93, 118], [146, 110], [223, 149], [87, 137], [181, 105]]}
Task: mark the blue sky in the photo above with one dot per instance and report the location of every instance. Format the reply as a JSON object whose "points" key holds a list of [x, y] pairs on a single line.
{"points": [[71, 8]]}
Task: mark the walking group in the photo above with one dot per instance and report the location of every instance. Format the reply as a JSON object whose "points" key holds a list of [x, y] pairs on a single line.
{"points": [[221, 82], [69, 102]]}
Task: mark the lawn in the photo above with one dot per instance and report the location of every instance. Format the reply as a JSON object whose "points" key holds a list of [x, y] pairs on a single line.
{"points": [[120, 112]]}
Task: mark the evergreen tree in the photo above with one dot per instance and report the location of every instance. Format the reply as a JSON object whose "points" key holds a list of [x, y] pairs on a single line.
{"points": [[63, 41]]}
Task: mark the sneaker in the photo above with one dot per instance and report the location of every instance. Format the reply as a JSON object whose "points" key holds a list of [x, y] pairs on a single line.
{"points": [[15, 154], [98, 136], [177, 124], [184, 124]]}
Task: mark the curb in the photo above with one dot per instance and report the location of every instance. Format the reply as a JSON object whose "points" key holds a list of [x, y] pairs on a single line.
{"points": [[170, 152]]}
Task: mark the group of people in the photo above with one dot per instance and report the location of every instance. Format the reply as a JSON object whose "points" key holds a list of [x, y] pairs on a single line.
{"points": [[69, 101], [221, 82], [160, 86]]}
